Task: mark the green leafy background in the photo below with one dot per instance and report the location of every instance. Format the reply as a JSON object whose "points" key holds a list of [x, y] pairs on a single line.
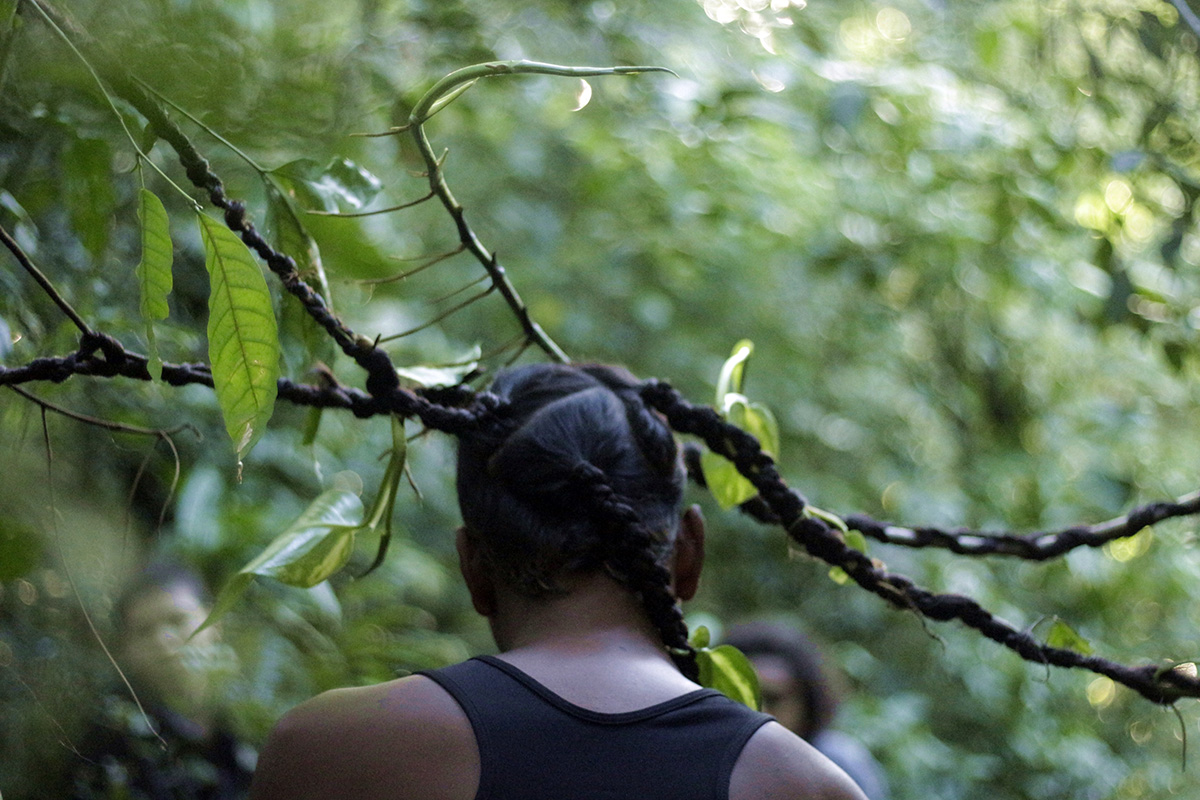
{"points": [[960, 236]]}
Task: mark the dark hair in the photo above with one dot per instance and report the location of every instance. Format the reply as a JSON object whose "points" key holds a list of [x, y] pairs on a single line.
{"points": [[575, 474], [159, 575], [803, 658]]}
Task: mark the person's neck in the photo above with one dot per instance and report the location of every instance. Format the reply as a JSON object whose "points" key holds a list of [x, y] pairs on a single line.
{"points": [[595, 615]]}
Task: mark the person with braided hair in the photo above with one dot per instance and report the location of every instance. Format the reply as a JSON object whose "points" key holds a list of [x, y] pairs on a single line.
{"points": [[576, 550]]}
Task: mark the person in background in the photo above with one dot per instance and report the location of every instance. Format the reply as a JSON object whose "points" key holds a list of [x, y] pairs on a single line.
{"points": [[797, 691], [174, 746]]}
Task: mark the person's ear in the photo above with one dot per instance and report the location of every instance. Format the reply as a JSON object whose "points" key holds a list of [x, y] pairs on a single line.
{"points": [[479, 583], [689, 553]]}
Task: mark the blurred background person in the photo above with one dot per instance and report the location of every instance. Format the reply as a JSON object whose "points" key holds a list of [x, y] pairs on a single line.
{"points": [[798, 691], [178, 749]]}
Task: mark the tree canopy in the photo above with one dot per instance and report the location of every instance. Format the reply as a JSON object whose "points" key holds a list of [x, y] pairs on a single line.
{"points": [[959, 235]]}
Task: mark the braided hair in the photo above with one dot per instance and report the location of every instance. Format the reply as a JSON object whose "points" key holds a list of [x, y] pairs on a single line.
{"points": [[573, 474]]}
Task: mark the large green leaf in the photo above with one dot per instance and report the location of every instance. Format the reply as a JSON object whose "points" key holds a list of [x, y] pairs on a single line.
{"points": [[726, 669], [154, 270], [312, 548], [243, 340], [316, 545]]}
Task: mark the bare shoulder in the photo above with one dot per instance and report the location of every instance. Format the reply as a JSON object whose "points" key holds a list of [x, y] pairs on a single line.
{"points": [[778, 765], [365, 742]]}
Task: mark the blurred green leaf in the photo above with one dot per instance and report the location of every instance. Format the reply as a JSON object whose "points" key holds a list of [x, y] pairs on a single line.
{"points": [[1063, 636], [90, 197], [20, 549], [154, 270], [340, 185]]}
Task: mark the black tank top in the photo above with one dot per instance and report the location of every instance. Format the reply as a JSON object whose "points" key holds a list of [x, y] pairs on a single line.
{"points": [[534, 745]]}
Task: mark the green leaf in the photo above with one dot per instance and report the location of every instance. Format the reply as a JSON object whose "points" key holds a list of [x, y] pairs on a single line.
{"points": [[312, 424], [700, 637], [755, 419], [437, 376], [90, 196], [733, 371], [1063, 636], [20, 549], [243, 341], [726, 669], [385, 499], [838, 576], [339, 185], [154, 270], [316, 545], [725, 483], [304, 340]]}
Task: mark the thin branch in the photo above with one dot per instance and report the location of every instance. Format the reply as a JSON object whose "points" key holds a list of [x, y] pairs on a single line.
{"points": [[109, 425], [62, 555], [43, 281], [415, 270], [355, 214], [440, 317], [439, 300], [438, 97]]}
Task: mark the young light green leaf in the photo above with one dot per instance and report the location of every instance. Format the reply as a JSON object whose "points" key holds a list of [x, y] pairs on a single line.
{"points": [[733, 371], [755, 419], [154, 270], [448, 98], [1063, 636], [838, 576], [243, 339], [700, 637], [727, 485], [854, 539], [726, 669]]}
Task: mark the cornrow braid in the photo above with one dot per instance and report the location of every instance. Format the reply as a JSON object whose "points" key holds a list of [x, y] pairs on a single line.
{"points": [[631, 559]]}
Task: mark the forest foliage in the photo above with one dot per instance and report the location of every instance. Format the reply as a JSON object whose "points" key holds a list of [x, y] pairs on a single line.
{"points": [[959, 235]]}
